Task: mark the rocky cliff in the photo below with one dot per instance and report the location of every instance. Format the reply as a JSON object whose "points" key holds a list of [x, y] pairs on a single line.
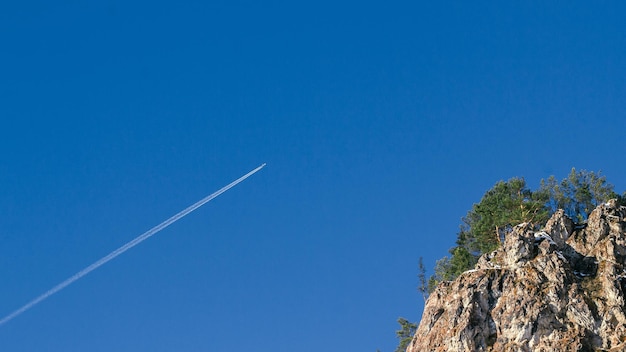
{"points": [[559, 289]]}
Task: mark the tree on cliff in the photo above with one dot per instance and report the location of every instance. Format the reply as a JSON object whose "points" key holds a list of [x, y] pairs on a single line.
{"points": [[405, 334], [505, 205], [578, 194], [510, 203]]}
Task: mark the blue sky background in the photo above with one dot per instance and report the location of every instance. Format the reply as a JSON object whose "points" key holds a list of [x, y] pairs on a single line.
{"points": [[380, 123]]}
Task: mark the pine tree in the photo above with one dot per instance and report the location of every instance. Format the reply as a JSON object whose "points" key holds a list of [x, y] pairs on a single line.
{"points": [[421, 275], [578, 194], [503, 206], [405, 334]]}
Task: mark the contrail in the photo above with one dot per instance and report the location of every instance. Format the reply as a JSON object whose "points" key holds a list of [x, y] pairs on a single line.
{"points": [[126, 247]]}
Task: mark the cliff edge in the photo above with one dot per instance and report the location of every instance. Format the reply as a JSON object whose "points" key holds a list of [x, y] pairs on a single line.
{"points": [[559, 289]]}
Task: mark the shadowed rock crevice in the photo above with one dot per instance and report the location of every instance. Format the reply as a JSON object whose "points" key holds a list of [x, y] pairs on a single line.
{"points": [[559, 289]]}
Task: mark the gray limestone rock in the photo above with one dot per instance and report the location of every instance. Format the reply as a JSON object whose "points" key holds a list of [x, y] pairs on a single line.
{"points": [[560, 289]]}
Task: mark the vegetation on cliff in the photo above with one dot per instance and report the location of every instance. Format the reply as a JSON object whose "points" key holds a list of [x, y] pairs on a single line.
{"points": [[505, 205], [511, 202], [558, 288]]}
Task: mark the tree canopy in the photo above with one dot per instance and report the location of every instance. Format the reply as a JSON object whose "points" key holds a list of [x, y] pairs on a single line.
{"points": [[405, 334], [577, 194], [511, 202], [505, 205]]}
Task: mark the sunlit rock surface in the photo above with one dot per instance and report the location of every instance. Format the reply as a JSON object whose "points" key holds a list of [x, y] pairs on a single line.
{"points": [[559, 289]]}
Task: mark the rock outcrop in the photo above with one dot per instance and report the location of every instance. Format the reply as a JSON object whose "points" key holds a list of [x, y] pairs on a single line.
{"points": [[560, 289]]}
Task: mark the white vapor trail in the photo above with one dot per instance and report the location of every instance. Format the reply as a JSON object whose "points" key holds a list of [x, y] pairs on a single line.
{"points": [[126, 247]]}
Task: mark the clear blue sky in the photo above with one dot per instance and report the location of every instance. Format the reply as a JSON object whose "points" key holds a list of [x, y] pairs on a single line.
{"points": [[380, 123]]}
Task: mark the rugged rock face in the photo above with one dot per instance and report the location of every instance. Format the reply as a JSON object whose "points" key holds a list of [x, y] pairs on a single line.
{"points": [[560, 289]]}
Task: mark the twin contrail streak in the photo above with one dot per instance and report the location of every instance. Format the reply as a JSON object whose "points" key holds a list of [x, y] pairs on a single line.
{"points": [[126, 247]]}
